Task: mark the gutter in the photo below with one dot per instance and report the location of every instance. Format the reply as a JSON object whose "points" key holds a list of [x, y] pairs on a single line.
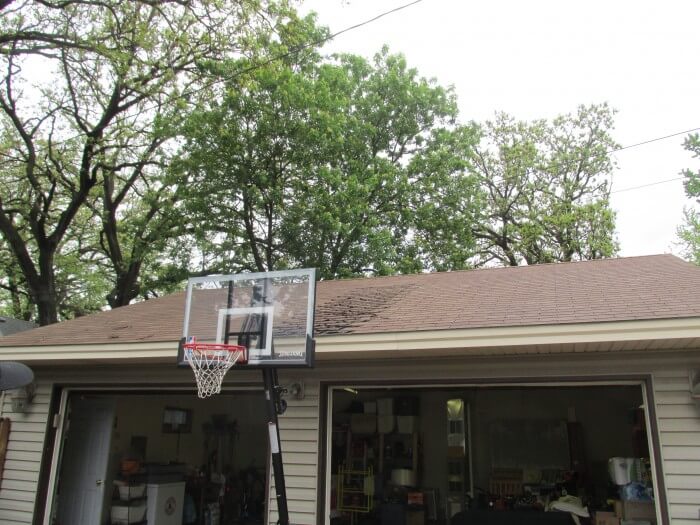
{"points": [[511, 340]]}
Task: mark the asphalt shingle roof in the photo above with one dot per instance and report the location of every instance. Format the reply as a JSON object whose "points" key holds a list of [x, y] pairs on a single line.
{"points": [[634, 288]]}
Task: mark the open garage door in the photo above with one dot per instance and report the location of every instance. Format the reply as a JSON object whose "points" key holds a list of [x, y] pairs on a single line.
{"points": [[162, 459], [489, 455]]}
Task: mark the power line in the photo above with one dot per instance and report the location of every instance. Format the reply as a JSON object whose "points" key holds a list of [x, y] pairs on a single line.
{"points": [[323, 40], [631, 188], [296, 50], [652, 140], [622, 148], [647, 185]]}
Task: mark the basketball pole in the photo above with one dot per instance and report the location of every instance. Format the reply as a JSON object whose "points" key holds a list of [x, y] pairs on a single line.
{"points": [[272, 399]]}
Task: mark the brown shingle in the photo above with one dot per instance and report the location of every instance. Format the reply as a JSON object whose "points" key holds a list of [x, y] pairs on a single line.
{"points": [[635, 288]]}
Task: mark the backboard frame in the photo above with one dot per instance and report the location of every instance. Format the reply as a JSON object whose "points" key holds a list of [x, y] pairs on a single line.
{"points": [[259, 357]]}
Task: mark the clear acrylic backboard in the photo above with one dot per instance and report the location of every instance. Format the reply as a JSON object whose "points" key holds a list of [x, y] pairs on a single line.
{"points": [[271, 314]]}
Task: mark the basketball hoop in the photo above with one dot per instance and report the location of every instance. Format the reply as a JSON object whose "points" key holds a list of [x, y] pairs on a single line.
{"points": [[210, 362]]}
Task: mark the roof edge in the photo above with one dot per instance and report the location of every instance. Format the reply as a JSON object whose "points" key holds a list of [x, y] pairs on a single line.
{"points": [[434, 342]]}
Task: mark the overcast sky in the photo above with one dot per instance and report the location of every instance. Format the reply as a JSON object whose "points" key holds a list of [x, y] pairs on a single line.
{"points": [[537, 59]]}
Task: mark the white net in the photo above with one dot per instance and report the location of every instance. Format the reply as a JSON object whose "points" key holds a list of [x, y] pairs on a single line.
{"points": [[210, 364]]}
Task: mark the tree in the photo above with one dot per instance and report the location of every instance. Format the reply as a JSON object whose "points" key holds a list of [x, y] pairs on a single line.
{"points": [[89, 134], [448, 201], [244, 148], [303, 162], [361, 217], [689, 233], [547, 188]]}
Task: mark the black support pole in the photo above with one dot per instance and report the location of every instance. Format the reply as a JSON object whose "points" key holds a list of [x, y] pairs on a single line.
{"points": [[272, 399]]}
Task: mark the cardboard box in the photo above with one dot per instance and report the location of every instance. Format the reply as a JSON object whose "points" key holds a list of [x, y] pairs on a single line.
{"points": [[618, 508], [415, 517], [406, 424], [606, 518], [385, 406], [385, 424], [406, 406], [455, 452], [639, 510], [363, 423]]}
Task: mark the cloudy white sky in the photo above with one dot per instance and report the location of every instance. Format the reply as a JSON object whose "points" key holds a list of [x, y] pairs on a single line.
{"points": [[540, 58]]}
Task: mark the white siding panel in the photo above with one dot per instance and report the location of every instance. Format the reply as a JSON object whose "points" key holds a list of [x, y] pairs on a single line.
{"points": [[300, 493], [675, 383], [20, 506], [25, 436], [299, 482], [682, 467], [299, 431], [681, 439], [23, 455], [684, 482], [18, 425], [680, 425], [680, 411], [293, 470], [20, 475], [18, 495], [26, 466], [678, 419], [13, 516], [299, 423], [300, 458], [300, 518], [673, 398], [291, 434], [33, 446], [13, 484], [683, 496], [300, 446], [24, 451], [686, 512], [684, 453]]}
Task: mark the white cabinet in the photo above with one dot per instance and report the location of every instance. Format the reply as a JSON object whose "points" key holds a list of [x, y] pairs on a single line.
{"points": [[165, 503]]}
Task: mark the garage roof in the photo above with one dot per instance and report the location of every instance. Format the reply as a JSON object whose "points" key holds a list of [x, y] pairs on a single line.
{"points": [[624, 289]]}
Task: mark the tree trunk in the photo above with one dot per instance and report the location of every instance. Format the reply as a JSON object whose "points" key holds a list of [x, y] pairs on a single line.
{"points": [[45, 300], [127, 287]]}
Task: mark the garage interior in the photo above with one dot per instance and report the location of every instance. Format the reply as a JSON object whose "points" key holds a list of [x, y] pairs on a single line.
{"points": [[491, 455], [164, 459]]}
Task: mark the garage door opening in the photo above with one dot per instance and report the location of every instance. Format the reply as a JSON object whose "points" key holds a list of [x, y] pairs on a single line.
{"points": [[162, 459], [501, 455]]}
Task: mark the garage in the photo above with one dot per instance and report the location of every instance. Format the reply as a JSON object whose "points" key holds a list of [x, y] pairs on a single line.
{"points": [[473, 397], [162, 458], [490, 454]]}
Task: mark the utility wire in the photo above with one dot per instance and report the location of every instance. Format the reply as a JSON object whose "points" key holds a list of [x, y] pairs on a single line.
{"points": [[652, 140], [622, 148], [298, 49], [647, 185], [631, 188], [323, 40]]}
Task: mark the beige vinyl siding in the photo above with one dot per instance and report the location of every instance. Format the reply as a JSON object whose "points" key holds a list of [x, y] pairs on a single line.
{"points": [[19, 480], [679, 428], [678, 417], [299, 431]]}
